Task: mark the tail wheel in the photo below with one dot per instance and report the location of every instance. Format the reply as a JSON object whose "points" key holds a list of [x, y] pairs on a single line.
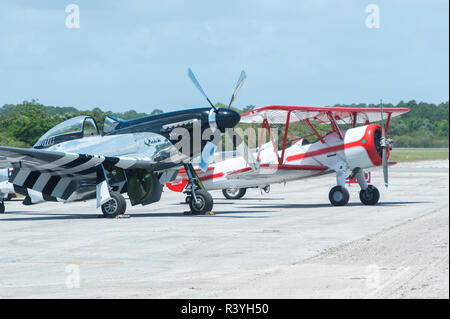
{"points": [[234, 193], [115, 206], [339, 196], [203, 204], [370, 196]]}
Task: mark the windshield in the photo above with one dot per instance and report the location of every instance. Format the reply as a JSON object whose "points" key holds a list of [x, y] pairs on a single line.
{"points": [[68, 130], [89, 128], [110, 124]]}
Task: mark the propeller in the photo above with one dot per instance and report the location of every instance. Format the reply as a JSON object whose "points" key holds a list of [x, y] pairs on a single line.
{"points": [[199, 87], [384, 143], [210, 147], [239, 84], [241, 146]]}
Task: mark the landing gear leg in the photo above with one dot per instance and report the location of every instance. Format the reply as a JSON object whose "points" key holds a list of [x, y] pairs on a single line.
{"points": [[112, 203], [369, 194], [199, 200], [339, 195]]}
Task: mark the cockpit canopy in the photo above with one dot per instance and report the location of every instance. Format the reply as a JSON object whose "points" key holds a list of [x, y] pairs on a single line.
{"points": [[74, 128]]}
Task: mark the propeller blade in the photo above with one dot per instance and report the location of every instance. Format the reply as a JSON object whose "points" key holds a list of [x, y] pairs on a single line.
{"points": [[243, 150], [385, 168], [383, 131], [384, 146], [199, 87], [239, 84], [206, 156]]}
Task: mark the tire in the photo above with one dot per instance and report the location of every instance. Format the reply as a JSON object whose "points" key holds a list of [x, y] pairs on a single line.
{"points": [[188, 199], [115, 206], [205, 202], [2, 208], [339, 196], [370, 196], [234, 193], [27, 201]]}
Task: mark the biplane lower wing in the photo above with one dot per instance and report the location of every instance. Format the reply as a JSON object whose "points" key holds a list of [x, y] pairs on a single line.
{"points": [[288, 171]]}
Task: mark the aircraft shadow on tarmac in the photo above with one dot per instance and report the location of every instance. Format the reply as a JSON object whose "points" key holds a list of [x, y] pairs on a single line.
{"points": [[216, 214], [43, 216], [393, 204], [260, 198], [222, 201], [30, 216], [235, 214]]}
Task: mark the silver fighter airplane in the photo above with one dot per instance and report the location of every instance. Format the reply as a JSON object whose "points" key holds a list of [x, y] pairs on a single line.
{"points": [[74, 161]]}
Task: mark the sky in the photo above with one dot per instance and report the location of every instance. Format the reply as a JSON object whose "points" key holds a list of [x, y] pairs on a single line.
{"points": [[134, 54]]}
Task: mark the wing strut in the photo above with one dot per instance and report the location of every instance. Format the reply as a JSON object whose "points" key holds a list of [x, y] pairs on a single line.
{"points": [[266, 126], [288, 118], [387, 122], [315, 131], [334, 125], [275, 146]]}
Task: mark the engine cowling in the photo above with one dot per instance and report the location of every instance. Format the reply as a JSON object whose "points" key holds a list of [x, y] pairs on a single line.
{"points": [[363, 146]]}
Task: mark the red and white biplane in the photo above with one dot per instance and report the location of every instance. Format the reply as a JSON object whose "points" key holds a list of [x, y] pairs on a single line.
{"points": [[347, 153]]}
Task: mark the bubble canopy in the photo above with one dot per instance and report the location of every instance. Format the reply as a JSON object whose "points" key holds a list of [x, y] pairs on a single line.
{"points": [[74, 128]]}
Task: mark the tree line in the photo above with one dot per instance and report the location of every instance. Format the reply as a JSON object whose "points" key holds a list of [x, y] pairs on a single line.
{"points": [[21, 125]]}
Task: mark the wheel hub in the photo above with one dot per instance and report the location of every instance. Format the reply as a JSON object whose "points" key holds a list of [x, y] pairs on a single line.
{"points": [[368, 195], [110, 206], [338, 196], [232, 191], [199, 203]]}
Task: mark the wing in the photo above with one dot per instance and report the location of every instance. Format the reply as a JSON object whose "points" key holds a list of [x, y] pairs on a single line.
{"points": [[59, 174], [282, 171], [181, 180], [277, 114]]}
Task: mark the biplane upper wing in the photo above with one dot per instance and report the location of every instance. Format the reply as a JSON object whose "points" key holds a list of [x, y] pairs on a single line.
{"points": [[59, 174], [278, 114]]}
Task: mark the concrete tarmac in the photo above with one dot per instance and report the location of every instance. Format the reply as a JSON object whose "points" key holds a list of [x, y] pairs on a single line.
{"points": [[290, 243]]}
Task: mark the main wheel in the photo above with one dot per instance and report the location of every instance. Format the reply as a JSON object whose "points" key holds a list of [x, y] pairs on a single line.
{"points": [[234, 193], [2, 207], [370, 196], [115, 206], [203, 204], [339, 196]]}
